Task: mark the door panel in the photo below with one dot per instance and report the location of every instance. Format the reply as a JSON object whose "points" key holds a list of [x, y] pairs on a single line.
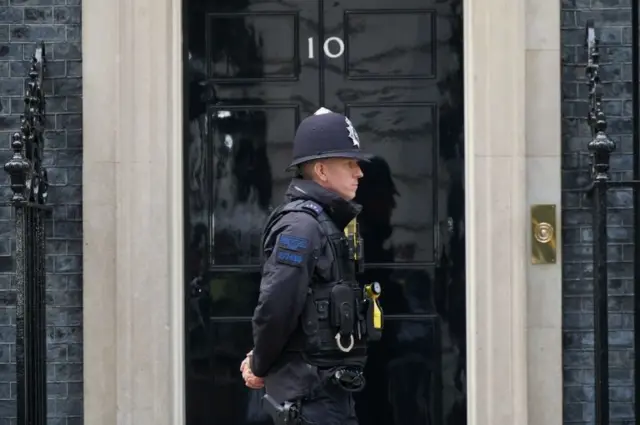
{"points": [[253, 70], [276, 59], [403, 138], [251, 144]]}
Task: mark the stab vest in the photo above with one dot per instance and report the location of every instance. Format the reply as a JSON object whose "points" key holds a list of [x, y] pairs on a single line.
{"points": [[333, 327]]}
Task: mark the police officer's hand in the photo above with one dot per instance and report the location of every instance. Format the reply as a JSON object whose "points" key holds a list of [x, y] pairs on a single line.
{"points": [[250, 380]]}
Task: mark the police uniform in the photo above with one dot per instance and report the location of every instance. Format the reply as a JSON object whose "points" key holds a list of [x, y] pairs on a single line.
{"points": [[310, 327]]}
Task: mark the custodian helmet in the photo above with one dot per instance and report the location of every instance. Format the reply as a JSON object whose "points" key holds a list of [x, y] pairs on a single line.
{"points": [[326, 134]]}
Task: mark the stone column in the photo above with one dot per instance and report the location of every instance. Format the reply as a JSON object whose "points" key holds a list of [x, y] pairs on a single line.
{"points": [[133, 296], [544, 186], [495, 211]]}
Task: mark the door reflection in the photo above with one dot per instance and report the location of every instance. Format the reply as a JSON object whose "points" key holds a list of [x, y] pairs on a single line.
{"points": [[241, 184]]}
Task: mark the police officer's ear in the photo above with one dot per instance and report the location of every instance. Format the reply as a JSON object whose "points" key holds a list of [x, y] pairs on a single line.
{"points": [[308, 171], [320, 170]]}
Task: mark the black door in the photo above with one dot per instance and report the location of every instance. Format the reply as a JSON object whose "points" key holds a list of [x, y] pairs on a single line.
{"points": [[253, 70]]}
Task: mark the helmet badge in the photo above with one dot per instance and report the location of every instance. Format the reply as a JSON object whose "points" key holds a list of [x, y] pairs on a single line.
{"points": [[353, 135]]}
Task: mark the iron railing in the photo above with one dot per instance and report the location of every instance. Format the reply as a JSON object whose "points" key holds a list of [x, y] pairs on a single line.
{"points": [[601, 148], [29, 186]]}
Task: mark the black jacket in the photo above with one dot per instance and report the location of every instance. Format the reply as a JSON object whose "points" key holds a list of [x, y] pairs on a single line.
{"points": [[284, 285]]}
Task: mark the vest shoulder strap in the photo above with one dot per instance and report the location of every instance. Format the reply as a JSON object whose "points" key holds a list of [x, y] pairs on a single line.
{"points": [[309, 207], [316, 210]]}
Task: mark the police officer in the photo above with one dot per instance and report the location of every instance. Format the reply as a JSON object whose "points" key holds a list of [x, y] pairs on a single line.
{"points": [[310, 327]]}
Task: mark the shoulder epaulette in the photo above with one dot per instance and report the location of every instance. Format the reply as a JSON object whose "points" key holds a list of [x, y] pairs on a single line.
{"points": [[309, 207], [313, 207]]}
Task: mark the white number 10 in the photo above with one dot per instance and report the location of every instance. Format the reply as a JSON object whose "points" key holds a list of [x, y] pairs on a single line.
{"points": [[327, 47]]}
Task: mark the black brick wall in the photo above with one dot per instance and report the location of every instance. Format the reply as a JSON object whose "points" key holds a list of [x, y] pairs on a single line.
{"points": [[57, 22], [613, 21]]}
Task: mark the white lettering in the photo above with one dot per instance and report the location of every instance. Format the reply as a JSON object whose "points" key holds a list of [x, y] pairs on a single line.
{"points": [[327, 47], [310, 40], [328, 52]]}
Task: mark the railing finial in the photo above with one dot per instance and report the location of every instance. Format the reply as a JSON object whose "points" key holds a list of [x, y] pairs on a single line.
{"points": [[28, 176], [601, 146]]}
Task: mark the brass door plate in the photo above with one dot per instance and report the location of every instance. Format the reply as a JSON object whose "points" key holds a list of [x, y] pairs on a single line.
{"points": [[543, 234]]}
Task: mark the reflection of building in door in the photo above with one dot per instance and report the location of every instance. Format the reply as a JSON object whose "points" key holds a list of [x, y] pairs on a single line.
{"points": [[256, 68]]}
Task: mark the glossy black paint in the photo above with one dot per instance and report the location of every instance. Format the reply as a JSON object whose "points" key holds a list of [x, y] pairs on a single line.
{"points": [[252, 73], [29, 187]]}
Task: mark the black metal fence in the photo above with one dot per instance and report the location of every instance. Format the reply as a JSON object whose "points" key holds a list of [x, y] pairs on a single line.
{"points": [[29, 186], [601, 147]]}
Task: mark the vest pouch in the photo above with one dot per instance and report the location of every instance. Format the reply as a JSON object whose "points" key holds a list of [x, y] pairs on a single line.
{"points": [[343, 314]]}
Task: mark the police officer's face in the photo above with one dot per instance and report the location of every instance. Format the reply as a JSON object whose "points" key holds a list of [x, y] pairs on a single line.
{"points": [[340, 175]]}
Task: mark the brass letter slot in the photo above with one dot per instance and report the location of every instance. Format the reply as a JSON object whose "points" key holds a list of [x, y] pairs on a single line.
{"points": [[543, 234]]}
